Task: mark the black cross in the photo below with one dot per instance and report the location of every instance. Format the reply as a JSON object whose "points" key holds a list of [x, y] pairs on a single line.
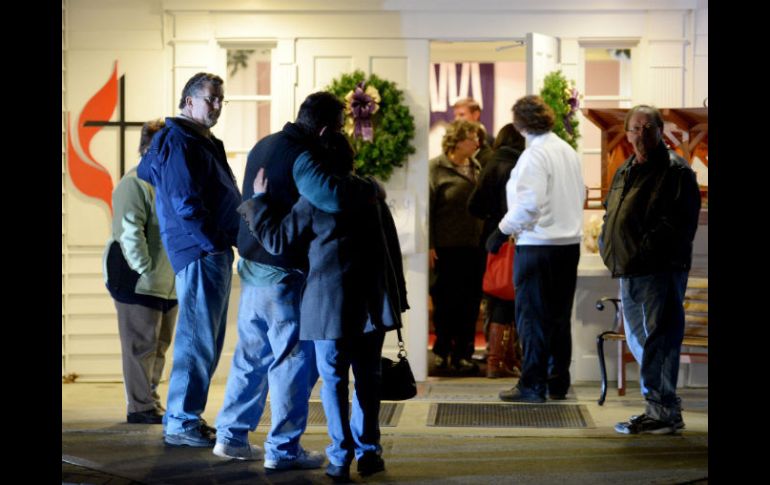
{"points": [[122, 123]]}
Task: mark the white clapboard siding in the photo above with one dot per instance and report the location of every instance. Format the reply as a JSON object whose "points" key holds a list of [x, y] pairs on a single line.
{"points": [[90, 341]]}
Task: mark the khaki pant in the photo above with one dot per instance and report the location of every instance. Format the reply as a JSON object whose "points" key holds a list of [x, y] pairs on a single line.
{"points": [[145, 335]]}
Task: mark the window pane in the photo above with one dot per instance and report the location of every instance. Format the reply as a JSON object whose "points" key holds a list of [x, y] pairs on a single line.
{"points": [[263, 77], [248, 71], [245, 124], [263, 119], [240, 131], [607, 72], [246, 121]]}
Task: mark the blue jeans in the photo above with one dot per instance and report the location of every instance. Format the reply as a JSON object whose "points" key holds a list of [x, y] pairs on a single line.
{"points": [[653, 315], [361, 434], [270, 355], [203, 290]]}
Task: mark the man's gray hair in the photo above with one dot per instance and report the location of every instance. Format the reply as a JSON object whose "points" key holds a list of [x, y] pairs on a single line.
{"points": [[198, 82]]}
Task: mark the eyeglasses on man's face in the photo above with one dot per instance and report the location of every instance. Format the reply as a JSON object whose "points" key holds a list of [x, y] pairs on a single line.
{"points": [[636, 130], [210, 100]]}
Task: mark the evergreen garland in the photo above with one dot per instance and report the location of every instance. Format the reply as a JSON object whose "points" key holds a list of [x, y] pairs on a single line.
{"points": [[393, 127], [563, 98]]}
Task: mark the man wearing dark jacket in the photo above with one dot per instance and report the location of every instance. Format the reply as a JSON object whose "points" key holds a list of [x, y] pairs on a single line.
{"points": [[269, 353], [354, 293], [196, 198], [646, 241]]}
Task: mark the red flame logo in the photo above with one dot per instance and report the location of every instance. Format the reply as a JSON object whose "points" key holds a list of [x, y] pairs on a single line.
{"points": [[89, 176]]}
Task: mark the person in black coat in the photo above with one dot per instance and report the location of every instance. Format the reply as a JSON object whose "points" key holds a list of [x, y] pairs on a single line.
{"points": [[354, 293], [488, 203], [646, 241]]}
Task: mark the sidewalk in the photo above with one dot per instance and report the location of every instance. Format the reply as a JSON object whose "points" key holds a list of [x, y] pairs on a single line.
{"points": [[97, 441]]}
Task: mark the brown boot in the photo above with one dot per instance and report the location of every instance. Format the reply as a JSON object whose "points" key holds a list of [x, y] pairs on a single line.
{"points": [[499, 338], [512, 358]]}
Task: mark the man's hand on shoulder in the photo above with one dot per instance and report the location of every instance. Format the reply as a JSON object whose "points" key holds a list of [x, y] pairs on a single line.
{"points": [[260, 182]]}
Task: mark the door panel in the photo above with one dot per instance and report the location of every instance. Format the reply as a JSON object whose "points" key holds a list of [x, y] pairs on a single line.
{"points": [[542, 58]]}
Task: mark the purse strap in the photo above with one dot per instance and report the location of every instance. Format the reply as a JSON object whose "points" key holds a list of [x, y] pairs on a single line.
{"points": [[401, 346]]}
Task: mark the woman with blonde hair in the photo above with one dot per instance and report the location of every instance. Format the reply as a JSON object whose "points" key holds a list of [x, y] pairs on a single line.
{"points": [[455, 258]]}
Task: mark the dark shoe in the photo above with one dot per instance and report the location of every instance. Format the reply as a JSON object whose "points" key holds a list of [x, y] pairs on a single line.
{"points": [[465, 367], [208, 428], [644, 424], [441, 363], [557, 397], [340, 473], [678, 422], [198, 437], [151, 416], [515, 395], [370, 463]]}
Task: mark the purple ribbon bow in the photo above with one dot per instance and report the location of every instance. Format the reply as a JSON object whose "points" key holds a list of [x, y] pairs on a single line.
{"points": [[574, 103], [362, 107]]}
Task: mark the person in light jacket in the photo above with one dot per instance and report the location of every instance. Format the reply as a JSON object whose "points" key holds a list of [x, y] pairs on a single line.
{"points": [[140, 280]]}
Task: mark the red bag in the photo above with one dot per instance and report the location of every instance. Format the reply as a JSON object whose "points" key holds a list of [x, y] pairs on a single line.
{"points": [[498, 277]]}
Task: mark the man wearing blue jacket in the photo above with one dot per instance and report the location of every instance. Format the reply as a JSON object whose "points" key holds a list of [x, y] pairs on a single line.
{"points": [[196, 200]]}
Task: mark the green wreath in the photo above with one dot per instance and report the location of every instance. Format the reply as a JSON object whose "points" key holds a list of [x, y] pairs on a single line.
{"points": [[562, 96], [392, 126]]}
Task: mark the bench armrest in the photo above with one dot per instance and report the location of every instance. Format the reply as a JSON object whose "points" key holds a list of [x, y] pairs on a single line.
{"points": [[617, 323]]}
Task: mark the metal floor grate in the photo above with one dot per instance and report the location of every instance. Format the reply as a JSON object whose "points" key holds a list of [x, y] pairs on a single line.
{"points": [[509, 415], [390, 412]]}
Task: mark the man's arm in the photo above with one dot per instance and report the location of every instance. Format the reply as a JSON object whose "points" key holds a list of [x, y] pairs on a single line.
{"points": [[679, 218], [332, 193], [276, 235], [531, 184]]}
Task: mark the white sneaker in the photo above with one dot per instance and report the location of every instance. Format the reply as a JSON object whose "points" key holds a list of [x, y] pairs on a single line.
{"points": [[250, 452], [306, 460]]}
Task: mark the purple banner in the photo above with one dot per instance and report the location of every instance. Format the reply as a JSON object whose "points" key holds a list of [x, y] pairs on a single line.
{"points": [[452, 81]]}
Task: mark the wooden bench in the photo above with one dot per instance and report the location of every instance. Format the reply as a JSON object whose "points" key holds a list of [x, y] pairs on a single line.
{"points": [[695, 333]]}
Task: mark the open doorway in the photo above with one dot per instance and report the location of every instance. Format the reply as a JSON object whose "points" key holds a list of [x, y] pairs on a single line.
{"points": [[494, 74]]}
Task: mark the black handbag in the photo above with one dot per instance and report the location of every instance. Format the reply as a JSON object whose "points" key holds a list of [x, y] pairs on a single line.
{"points": [[397, 378]]}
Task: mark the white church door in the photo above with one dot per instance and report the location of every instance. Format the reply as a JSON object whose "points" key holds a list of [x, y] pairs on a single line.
{"points": [[405, 62], [542, 58]]}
